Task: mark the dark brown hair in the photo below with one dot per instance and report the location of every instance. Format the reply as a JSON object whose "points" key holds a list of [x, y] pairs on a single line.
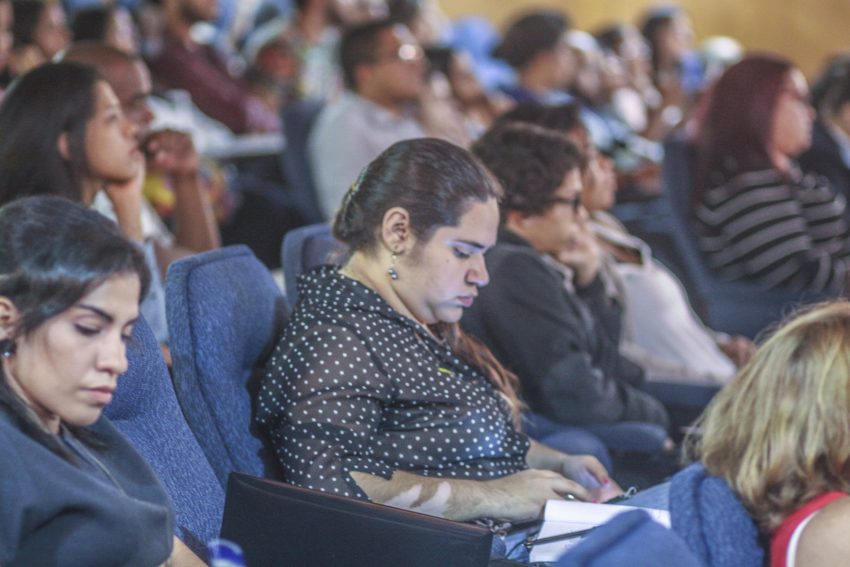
{"points": [[530, 162]]}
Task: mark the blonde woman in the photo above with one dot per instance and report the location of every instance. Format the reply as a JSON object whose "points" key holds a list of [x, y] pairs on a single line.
{"points": [[779, 435]]}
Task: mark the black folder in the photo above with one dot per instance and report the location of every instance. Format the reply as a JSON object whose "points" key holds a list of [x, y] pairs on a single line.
{"points": [[278, 524]]}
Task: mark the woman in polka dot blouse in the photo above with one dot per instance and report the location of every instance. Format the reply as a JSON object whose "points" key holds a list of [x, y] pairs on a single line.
{"points": [[374, 392]]}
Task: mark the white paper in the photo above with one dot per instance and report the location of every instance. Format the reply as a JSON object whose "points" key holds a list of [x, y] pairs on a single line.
{"points": [[564, 516]]}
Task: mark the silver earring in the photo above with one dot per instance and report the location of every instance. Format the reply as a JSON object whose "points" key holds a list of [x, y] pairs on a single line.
{"points": [[391, 271]]}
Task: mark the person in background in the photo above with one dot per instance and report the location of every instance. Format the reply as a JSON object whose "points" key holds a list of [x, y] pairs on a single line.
{"points": [[654, 323], [676, 70], [39, 32], [386, 100], [758, 218], [478, 107], [779, 436], [829, 154], [374, 392], [82, 144], [637, 102], [535, 46], [181, 63], [273, 67], [314, 33], [72, 489], [6, 40], [199, 209], [110, 24], [536, 316], [171, 157]]}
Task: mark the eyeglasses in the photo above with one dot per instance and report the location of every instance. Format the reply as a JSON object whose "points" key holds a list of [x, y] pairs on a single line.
{"points": [[406, 52], [574, 202]]}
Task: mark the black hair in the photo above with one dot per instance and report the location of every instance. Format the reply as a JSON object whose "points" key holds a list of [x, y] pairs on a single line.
{"points": [[561, 117], [26, 15], [831, 90], [434, 180], [359, 46], [404, 11], [530, 162], [440, 59], [92, 23], [53, 252], [531, 34], [41, 105], [655, 20], [612, 36]]}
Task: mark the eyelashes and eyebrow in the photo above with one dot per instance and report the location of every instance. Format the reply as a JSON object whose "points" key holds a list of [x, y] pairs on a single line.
{"points": [[104, 316]]}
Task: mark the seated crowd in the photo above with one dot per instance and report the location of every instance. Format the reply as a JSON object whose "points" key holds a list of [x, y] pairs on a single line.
{"points": [[495, 333]]}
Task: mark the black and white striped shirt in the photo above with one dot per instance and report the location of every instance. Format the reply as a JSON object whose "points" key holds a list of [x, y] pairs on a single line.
{"points": [[782, 230]]}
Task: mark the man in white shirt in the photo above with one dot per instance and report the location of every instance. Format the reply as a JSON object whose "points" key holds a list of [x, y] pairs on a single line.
{"points": [[384, 73]]}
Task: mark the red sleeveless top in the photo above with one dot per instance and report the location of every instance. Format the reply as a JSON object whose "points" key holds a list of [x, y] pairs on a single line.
{"points": [[781, 538]]}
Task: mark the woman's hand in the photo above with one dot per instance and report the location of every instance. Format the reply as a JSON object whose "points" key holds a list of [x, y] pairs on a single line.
{"points": [[739, 349], [581, 254], [126, 197], [171, 152], [522, 496], [591, 474]]}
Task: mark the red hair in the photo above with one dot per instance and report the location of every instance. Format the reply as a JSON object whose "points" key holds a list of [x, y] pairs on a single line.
{"points": [[733, 135]]}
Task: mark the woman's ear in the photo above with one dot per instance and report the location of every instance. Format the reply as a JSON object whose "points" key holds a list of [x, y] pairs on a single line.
{"points": [[62, 146], [8, 318], [395, 231]]}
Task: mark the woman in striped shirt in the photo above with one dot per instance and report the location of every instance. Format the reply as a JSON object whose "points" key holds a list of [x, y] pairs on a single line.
{"points": [[758, 217]]}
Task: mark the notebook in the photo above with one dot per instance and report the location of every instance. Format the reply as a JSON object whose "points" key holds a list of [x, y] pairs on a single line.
{"points": [[278, 524], [565, 517]]}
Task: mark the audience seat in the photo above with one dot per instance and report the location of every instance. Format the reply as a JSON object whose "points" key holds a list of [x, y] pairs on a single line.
{"points": [[711, 519], [146, 412], [734, 307], [305, 248], [298, 120], [632, 539], [224, 314]]}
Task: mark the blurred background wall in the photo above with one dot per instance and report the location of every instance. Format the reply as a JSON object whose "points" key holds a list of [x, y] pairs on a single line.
{"points": [[807, 31]]}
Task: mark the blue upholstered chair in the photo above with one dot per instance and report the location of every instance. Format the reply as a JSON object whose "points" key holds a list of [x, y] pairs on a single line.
{"points": [[632, 539], [146, 412], [732, 306], [224, 314], [305, 248], [711, 519], [298, 120]]}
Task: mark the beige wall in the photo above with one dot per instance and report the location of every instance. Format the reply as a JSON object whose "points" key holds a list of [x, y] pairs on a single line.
{"points": [[805, 30]]}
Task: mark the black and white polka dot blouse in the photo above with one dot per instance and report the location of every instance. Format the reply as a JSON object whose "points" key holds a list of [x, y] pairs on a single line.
{"points": [[355, 386]]}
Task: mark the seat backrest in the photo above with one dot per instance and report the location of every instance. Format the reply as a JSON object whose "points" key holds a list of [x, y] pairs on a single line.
{"points": [[146, 412], [711, 519], [305, 248], [298, 120], [225, 313], [677, 171], [632, 538]]}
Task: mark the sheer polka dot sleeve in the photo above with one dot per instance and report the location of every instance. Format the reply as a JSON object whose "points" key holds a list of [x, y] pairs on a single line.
{"points": [[322, 426]]}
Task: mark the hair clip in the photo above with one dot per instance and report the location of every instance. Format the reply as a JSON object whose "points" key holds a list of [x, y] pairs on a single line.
{"points": [[355, 187]]}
